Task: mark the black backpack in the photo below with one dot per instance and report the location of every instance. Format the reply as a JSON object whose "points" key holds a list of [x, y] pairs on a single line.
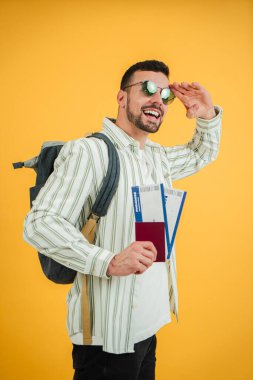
{"points": [[44, 166]]}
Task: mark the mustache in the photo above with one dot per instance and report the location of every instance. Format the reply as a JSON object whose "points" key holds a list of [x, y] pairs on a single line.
{"points": [[153, 105]]}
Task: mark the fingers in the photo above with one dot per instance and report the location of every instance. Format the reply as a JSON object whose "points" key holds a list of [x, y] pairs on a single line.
{"points": [[145, 260], [192, 86], [197, 86], [190, 95], [183, 92], [147, 248], [146, 254], [186, 88], [141, 269], [176, 87], [183, 87], [178, 91]]}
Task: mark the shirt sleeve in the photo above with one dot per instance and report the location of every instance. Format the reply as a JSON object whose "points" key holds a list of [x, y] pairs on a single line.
{"points": [[50, 226], [187, 159]]}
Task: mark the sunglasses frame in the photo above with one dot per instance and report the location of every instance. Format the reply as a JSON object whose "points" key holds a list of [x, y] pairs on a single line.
{"points": [[147, 92]]}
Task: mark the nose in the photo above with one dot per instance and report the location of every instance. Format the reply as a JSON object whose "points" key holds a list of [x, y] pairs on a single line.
{"points": [[157, 98]]}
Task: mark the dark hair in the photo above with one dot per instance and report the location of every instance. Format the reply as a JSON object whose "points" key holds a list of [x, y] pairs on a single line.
{"points": [[151, 65]]}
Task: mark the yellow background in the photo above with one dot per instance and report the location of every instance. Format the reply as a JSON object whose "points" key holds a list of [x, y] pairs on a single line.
{"points": [[60, 67]]}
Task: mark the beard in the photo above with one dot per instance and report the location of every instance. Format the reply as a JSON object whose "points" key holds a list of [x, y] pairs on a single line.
{"points": [[148, 126]]}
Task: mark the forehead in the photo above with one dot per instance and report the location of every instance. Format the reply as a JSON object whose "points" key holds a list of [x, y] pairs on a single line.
{"points": [[159, 78]]}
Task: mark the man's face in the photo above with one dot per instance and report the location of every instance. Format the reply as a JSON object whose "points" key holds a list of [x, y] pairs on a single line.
{"points": [[138, 103]]}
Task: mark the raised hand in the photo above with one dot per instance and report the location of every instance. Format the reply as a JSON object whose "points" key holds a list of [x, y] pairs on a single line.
{"points": [[195, 98]]}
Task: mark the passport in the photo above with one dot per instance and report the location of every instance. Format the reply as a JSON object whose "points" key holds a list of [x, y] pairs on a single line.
{"points": [[154, 232]]}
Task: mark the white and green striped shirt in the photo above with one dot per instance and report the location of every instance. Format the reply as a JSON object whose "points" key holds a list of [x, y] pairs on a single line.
{"points": [[58, 214]]}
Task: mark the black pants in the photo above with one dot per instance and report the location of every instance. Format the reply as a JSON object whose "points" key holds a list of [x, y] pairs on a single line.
{"points": [[92, 363]]}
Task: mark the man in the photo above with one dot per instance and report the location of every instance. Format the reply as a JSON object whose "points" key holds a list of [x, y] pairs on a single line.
{"points": [[130, 295]]}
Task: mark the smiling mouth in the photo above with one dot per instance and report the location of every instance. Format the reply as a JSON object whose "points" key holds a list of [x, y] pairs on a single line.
{"points": [[152, 114]]}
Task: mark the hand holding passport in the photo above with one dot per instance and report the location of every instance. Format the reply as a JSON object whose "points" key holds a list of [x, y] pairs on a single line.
{"points": [[157, 213], [136, 258]]}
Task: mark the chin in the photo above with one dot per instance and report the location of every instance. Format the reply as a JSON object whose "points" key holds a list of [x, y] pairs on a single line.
{"points": [[148, 128], [151, 127]]}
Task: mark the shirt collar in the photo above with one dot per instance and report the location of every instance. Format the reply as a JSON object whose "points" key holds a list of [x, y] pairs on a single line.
{"points": [[120, 137]]}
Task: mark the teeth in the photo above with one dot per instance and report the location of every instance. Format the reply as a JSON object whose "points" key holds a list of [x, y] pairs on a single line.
{"points": [[151, 112]]}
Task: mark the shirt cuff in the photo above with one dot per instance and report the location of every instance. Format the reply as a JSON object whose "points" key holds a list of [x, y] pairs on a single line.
{"points": [[210, 123], [97, 263]]}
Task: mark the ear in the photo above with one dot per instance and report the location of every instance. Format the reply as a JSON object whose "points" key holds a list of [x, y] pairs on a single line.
{"points": [[122, 98]]}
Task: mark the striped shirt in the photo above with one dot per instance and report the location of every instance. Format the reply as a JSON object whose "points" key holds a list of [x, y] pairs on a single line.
{"points": [[60, 210]]}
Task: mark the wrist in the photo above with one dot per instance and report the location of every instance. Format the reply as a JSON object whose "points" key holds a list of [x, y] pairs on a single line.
{"points": [[110, 269], [209, 114]]}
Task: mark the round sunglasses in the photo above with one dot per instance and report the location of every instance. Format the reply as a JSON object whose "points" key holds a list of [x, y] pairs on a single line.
{"points": [[149, 88]]}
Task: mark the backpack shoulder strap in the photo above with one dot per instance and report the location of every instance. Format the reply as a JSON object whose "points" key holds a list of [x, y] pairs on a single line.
{"points": [[110, 181]]}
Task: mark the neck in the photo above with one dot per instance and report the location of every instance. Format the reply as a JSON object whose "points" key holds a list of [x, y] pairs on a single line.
{"points": [[134, 132]]}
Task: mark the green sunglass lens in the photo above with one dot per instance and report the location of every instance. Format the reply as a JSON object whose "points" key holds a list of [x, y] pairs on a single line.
{"points": [[165, 94], [150, 87]]}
